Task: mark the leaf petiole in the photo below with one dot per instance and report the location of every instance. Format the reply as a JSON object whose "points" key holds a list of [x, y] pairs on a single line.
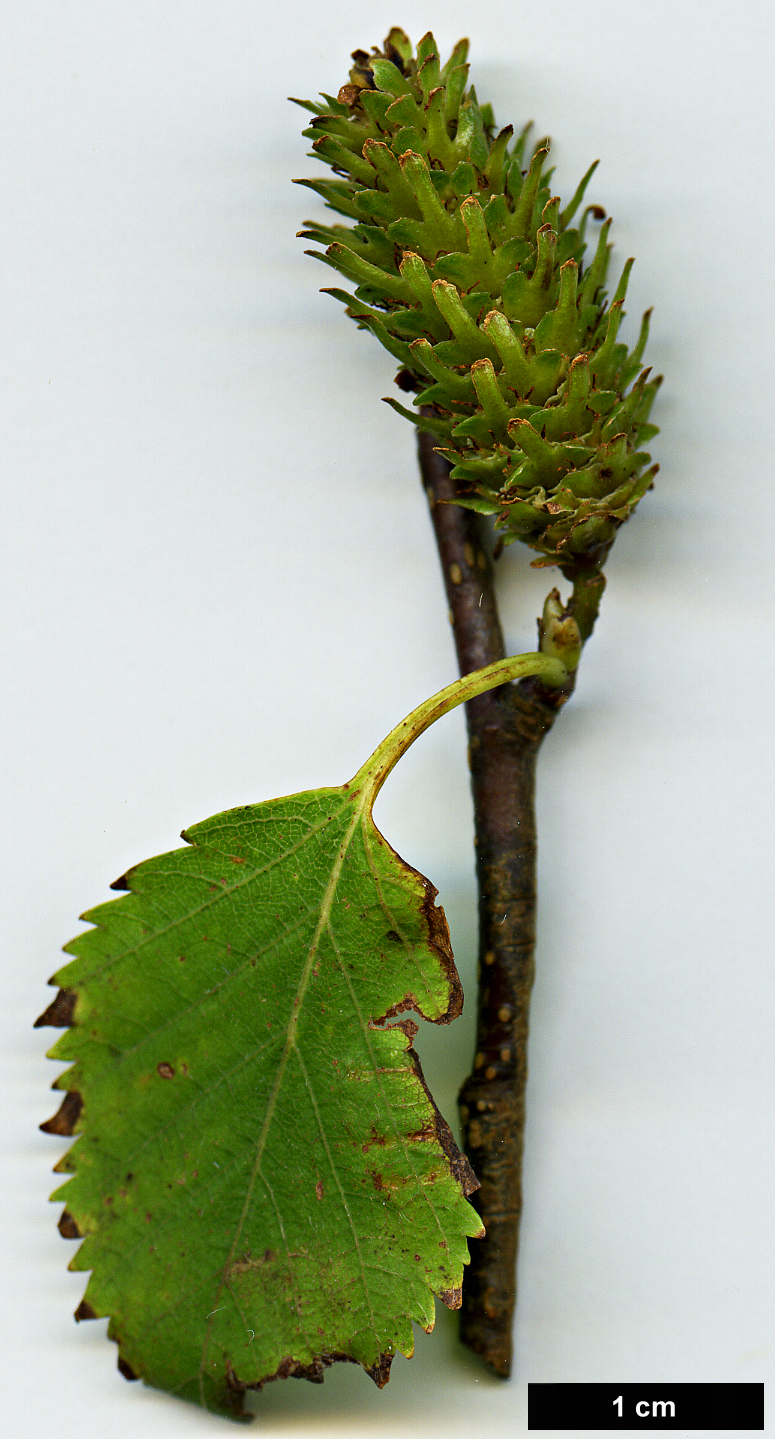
{"points": [[372, 775]]}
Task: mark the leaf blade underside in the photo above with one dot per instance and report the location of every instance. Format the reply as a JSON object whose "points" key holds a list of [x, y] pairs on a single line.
{"points": [[263, 1181]]}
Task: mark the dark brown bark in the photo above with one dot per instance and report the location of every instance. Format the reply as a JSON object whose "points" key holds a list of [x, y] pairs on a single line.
{"points": [[505, 728]]}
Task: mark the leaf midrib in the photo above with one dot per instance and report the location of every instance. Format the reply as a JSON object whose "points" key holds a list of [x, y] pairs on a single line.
{"points": [[288, 1048]]}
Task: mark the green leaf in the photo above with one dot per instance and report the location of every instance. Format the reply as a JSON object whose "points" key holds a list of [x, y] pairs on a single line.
{"points": [[263, 1182]]}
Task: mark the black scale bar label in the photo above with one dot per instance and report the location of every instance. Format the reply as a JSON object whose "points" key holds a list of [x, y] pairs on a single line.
{"points": [[645, 1406]]}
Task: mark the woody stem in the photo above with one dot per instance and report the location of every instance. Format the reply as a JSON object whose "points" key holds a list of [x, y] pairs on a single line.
{"points": [[505, 727]]}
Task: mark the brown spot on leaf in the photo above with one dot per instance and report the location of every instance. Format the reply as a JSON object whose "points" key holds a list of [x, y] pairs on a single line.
{"points": [[380, 1372], [441, 944], [437, 934], [393, 937], [122, 882], [66, 1117], [423, 1135], [60, 1011], [246, 1262], [319, 1189], [453, 1298], [374, 1138], [84, 1311], [408, 1026], [165, 1070], [126, 1369], [313, 1373], [408, 1002], [459, 1167], [290, 1368], [233, 1398], [67, 1226]]}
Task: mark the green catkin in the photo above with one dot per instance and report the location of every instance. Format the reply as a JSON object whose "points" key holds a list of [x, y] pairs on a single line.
{"points": [[467, 270]]}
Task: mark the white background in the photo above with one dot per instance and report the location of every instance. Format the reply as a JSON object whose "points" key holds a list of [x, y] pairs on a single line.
{"points": [[221, 586]]}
